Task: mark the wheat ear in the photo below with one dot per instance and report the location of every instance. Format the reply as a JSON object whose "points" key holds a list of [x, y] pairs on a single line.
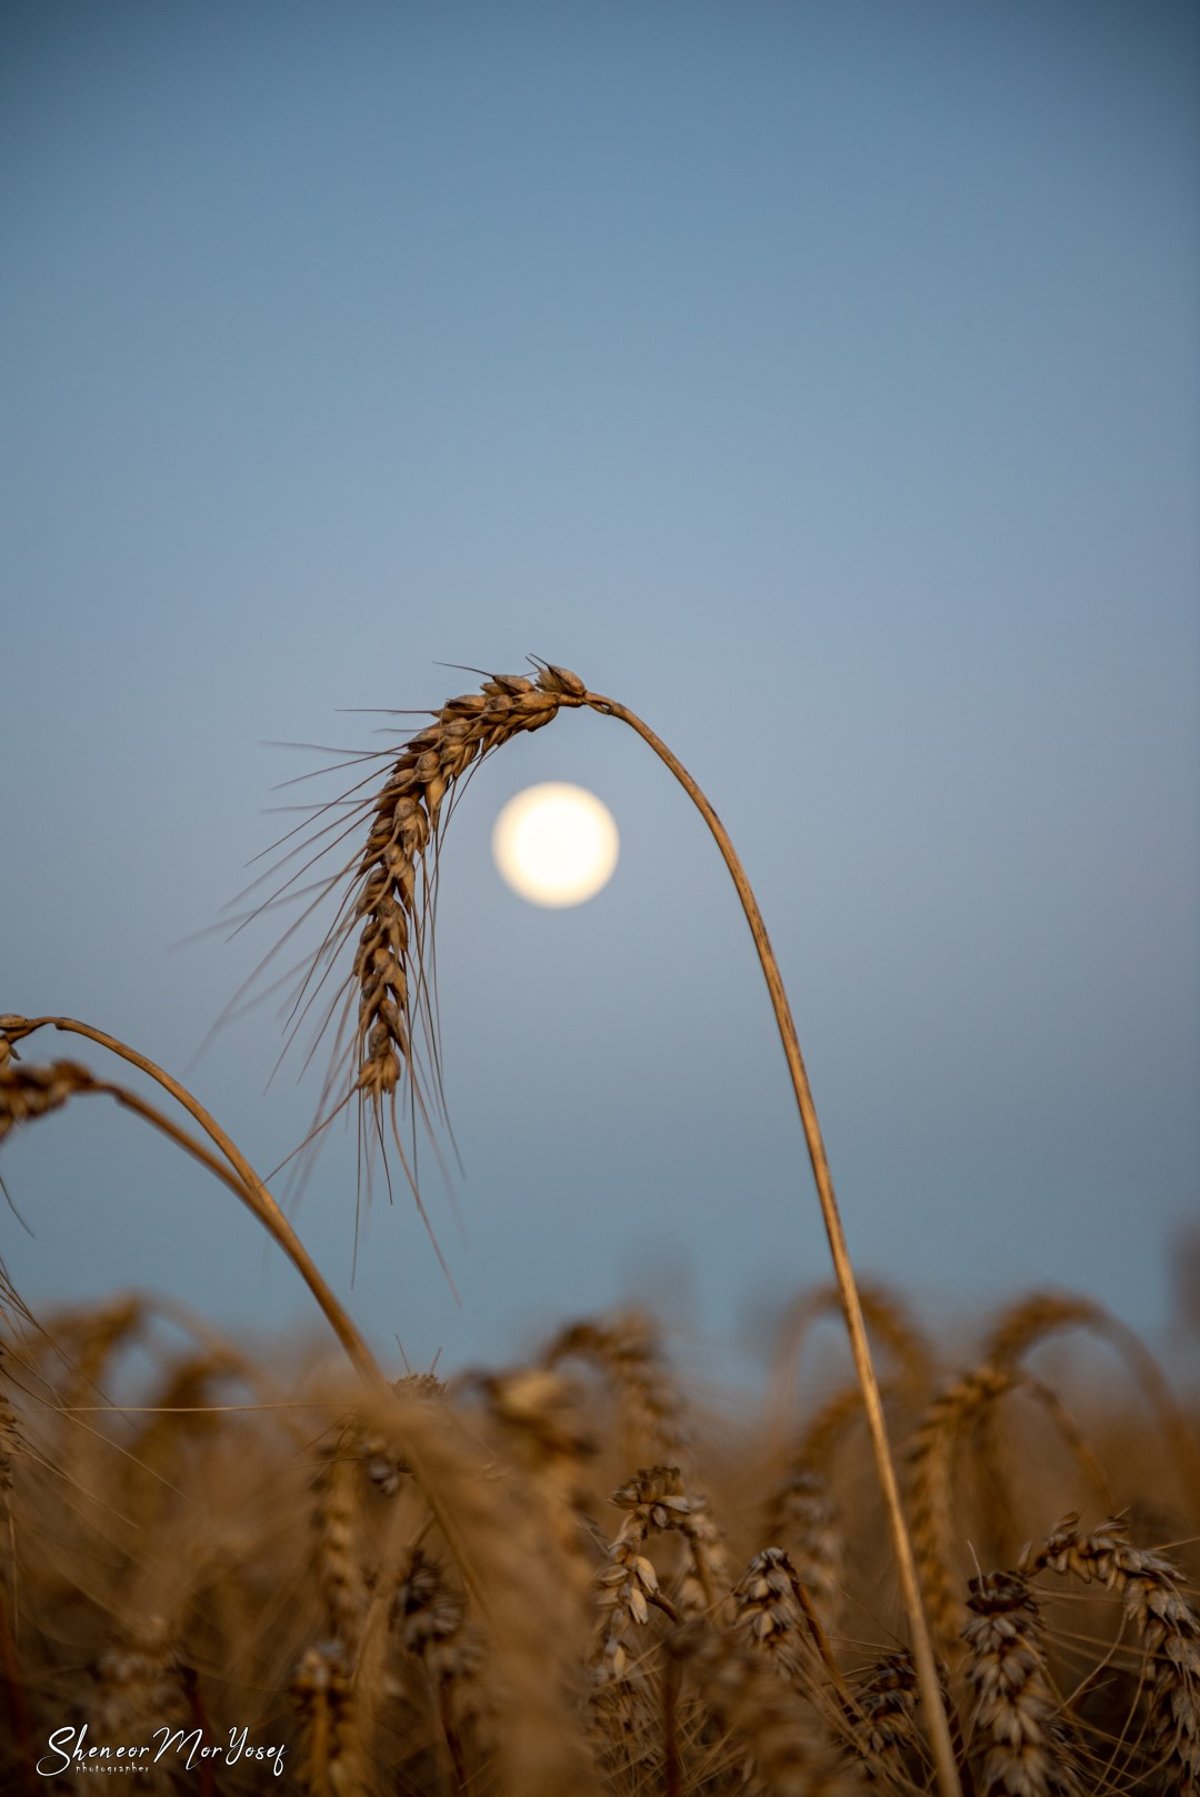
{"points": [[391, 898], [1025, 1752], [1154, 1597]]}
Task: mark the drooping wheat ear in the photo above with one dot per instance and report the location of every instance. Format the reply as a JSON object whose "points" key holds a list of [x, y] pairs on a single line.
{"points": [[1023, 1325], [825, 1430], [628, 1350], [393, 876], [332, 1763], [179, 1413], [1025, 1751], [389, 905], [778, 1732], [1153, 1595], [774, 1611], [627, 1584]]}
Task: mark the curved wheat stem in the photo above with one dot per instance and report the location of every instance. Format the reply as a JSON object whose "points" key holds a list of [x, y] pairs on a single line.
{"points": [[389, 906], [26, 1093], [1023, 1325]]}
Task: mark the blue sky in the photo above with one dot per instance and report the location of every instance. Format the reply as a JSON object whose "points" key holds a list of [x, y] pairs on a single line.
{"points": [[821, 381]]}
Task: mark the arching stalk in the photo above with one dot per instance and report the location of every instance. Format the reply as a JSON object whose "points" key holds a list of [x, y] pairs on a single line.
{"points": [[242, 1180], [885, 1467]]}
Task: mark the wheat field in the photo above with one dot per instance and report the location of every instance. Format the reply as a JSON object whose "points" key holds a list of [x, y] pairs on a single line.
{"points": [[961, 1567], [563, 1576]]}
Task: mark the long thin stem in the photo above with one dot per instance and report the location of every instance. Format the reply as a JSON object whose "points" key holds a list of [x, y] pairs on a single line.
{"points": [[246, 1185], [922, 1646]]}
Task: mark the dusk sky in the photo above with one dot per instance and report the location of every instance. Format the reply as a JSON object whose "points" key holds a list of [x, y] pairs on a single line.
{"points": [[818, 379]]}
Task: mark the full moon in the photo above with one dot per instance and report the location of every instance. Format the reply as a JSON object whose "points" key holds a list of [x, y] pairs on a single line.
{"points": [[555, 844]]}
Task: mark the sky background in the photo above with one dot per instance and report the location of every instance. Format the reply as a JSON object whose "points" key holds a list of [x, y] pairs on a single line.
{"points": [[818, 379]]}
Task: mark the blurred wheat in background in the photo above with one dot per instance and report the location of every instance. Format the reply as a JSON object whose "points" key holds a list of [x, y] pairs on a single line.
{"points": [[564, 1576]]}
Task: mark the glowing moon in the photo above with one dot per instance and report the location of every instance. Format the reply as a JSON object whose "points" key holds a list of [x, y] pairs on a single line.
{"points": [[556, 844]]}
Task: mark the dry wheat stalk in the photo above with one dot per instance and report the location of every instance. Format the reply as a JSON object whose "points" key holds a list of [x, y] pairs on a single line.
{"points": [[892, 1326], [1026, 1753], [10, 1446], [823, 1433], [24, 1093], [1020, 1327], [1153, 1596]]}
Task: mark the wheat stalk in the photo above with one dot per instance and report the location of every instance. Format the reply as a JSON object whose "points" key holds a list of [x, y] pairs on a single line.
{"points": [[1023, 1325], [26, 1093], [387, 908]]}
